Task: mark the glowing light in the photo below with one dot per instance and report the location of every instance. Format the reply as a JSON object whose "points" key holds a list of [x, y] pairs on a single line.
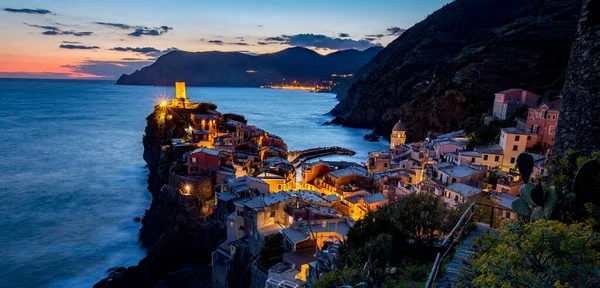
{"points": [[163, 103]]}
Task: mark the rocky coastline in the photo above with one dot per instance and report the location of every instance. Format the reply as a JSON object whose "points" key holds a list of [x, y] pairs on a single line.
{"points": [[178, 244]]}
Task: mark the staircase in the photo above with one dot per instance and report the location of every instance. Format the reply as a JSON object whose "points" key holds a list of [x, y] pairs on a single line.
{"points": [[450, 277]]}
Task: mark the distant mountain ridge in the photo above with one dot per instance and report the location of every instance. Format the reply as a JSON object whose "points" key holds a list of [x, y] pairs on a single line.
{"points": [[234, 69], [442, 73]]}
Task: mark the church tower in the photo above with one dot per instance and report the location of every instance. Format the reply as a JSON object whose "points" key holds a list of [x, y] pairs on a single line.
{"points": [[398, 135], [180, 100]]}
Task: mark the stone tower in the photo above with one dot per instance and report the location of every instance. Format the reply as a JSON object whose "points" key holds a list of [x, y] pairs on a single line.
{"points": [[579, 119], [398, 135]]}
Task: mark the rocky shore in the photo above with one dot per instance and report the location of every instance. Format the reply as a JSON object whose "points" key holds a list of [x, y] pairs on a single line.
{"points": [[178, 243]]}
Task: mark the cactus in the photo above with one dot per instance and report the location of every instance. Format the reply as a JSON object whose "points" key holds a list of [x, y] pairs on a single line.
{"points": [[545, 202], [525, 166]]}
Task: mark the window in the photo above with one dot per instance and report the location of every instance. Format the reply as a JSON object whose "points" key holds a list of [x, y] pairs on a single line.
{"points": [[485, 157], [528, 137], [497, 158], [553, 117], [453, 180], [472, 159], [544, 114], [272, 214], [515, 147], [517, 137], [241, 228], [512, 160], [456, 198], [385, 165], [240, 213], [531, 115], [447, 194], [279, 187], [507, 215], [551, 129], [194, 160]]}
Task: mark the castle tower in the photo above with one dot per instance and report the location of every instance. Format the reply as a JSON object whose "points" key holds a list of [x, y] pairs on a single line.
{"points": [[579, 120], [180, 99], [398, 135], [180, 90]]}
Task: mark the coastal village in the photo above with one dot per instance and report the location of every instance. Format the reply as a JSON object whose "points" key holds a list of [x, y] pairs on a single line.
{"points": [[248, 180]]}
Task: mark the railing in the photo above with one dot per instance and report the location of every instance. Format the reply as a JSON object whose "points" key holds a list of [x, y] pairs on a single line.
{"points": [[464, 219]]}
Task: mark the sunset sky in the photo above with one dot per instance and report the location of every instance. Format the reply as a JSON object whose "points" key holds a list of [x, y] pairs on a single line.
{"points": [[104, 39]]}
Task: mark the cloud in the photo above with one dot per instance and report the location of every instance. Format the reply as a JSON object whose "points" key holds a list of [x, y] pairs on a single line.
{"points": [[141, 30], [107, 69], [240, 43], [370, 39], [218, 42], [116, 25], [280, 39], [134, 59], [344, 35], [317, 41], [148, 51], [53, 30], [374, 36], [77, 47], [71, 42], [395, 31], [27, 11]]}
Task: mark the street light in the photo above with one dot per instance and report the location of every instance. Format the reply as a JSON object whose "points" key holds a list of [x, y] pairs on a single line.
{"points": [[187, 189], [163, 103]]}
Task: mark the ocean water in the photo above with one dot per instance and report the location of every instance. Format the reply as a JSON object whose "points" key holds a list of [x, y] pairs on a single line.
{"points": [[72, 177]]}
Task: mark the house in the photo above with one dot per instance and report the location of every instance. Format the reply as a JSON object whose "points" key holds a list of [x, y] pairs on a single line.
{"points": [[247, 186], [504, 202], [491, 156], [265, 215], [203, 161], [279, 174], [440, 148], [374, 202], [508, 101], [458, 193], [543, 120], [300, 237], [335, 181], [513, 142], [459, 174]]}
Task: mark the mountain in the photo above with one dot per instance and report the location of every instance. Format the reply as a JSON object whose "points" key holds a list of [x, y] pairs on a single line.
{"points": [[230, 68], [441, 74]]}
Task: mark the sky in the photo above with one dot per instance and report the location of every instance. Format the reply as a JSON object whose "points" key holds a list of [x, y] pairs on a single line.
{"points": [[106, 38]]}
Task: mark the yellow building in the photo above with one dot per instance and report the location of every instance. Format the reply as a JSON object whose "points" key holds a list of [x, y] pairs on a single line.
{"points": [[513, 143], [398, 136]]}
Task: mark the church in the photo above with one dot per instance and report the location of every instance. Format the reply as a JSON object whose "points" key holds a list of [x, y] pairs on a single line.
{"points": [[398, 136]]}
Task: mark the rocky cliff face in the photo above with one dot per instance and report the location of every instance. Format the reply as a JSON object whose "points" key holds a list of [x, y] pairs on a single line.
{"points": [[579, 121], [178, 242], [441, 74]]}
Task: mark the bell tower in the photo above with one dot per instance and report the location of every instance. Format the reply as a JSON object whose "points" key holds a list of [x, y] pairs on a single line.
{"points": [[398, 135]]}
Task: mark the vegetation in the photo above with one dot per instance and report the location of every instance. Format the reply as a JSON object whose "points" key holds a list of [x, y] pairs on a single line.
{"points": [[537, 254], [574, 194], [397, 238], [271, 252]]}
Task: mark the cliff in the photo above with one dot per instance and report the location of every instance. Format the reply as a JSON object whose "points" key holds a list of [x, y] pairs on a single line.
{"points": [[441, 74], [230, 68], [178, 242], [579, 121]]}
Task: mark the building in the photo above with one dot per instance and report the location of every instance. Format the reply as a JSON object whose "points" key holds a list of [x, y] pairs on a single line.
{"points": [[513, 142], [449, 175], [398, 136], [543, 120], [180, 100], [508, 101], [458, 193], [203, 161]]}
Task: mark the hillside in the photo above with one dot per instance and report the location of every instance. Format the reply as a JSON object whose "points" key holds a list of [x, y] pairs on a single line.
{"points": [[441, 74], [230, 68]]}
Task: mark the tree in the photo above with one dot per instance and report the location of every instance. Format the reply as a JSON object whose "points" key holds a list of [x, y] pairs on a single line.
{"points": [[543, 253]]}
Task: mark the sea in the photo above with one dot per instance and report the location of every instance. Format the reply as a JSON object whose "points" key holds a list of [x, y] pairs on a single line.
{"points": [[72, 176]]}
